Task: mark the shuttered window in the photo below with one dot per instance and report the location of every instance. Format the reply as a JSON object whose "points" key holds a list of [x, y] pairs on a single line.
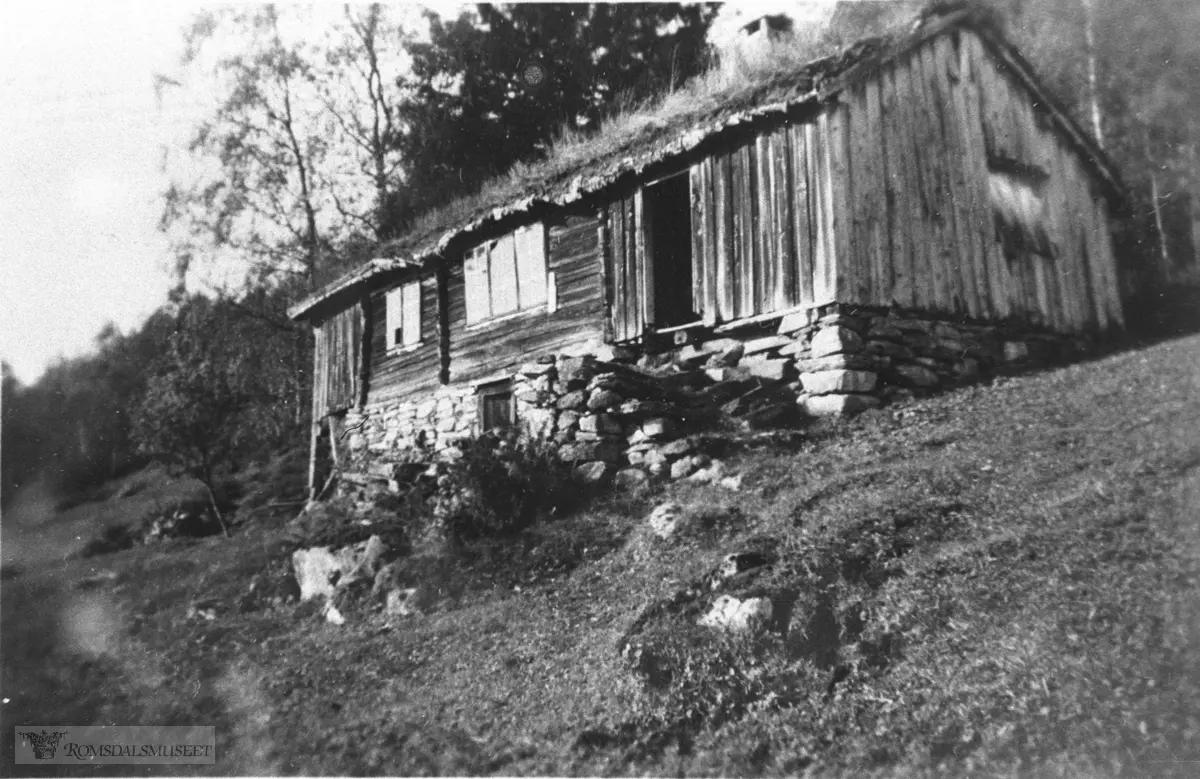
{"points": [[506, 275], [404, 315], [1017, 194]]}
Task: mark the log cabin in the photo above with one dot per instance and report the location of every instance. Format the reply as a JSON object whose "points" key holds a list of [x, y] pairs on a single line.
{"points": [[910, 212]]}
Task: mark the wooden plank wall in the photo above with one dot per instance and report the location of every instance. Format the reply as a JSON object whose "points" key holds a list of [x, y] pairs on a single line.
{"points": [[883, 199], [338, 343], [574, 258], [626, 269], [912, 218], [404, 371], [762, 235]]}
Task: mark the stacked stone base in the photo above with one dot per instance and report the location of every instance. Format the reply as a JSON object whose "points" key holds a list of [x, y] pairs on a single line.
{"points": [[640, 417]]}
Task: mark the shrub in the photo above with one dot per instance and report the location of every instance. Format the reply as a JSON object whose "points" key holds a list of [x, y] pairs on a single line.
{"points": [[501, 485]]}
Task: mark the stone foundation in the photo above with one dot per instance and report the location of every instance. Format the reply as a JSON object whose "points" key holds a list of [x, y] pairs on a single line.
{"points": [[646, 411]]}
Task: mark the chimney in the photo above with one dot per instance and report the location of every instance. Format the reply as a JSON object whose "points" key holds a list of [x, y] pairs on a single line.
{"points": [[761, 32]]}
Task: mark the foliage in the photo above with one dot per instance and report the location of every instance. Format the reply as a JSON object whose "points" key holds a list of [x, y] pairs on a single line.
{"points": [[292, 165], [469, 115], [501, 485], [211, 398]]}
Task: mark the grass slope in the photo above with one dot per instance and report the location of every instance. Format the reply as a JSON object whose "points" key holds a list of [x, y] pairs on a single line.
{"points": [[1008, 587]]}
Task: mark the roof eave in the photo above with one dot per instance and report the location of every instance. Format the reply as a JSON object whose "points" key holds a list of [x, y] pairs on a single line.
{"points": [[360, 275]]}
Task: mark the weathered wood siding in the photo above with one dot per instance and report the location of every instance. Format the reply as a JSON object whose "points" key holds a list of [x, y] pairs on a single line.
{"points": [[401, 372], [914, 219], [492, 347], [886, 198], [336, 361]]}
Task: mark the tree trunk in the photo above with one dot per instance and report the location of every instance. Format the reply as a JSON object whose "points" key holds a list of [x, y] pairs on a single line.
{"points": [[1089, 33]]}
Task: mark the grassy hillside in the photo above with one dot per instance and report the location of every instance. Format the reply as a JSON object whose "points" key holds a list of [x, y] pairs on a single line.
{"points": [[1000, 580]]}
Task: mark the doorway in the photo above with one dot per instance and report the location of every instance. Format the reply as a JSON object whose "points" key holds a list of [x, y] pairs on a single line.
{"points": [[667, 216]]}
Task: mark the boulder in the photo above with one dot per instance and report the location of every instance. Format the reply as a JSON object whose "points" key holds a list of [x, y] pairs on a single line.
{"points": [[361, 560], [851, 362], [711, 474], [603, 399], [896, 351], [767, 343], [582, 451], [772, 415], [659, 427], [574, 400], [836, 340], [677, 448], [911, 375], [842, 320], [728, 357], [317, 571], [568, 420], [630, 478], [794, 322], [833, 405], [770, 370], [883, 329], [738, 616], [598, 473], [1015, 351], [600, 423], [684, 466], [825, 382], [400, 602], [665, 520]]}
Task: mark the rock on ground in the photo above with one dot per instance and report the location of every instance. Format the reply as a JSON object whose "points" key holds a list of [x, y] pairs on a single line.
{"points": [[740, 616]]}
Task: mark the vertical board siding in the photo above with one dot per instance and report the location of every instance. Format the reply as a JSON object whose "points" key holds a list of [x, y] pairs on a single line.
{"points": [[338, 349], [786, 292], [766, 288], [944, 78], [898, 192], [884, 198]]}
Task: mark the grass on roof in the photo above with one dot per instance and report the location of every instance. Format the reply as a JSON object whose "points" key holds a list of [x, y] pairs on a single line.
{"points": [[738, 78]]}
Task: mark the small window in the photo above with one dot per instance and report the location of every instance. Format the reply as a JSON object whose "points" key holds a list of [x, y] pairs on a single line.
{"points": [[1016, 191], [403, 306], [497, 410], [506, 275]]}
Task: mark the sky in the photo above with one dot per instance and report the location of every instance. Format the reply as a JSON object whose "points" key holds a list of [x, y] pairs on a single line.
{"points": [[80, 146], [82, 140]]}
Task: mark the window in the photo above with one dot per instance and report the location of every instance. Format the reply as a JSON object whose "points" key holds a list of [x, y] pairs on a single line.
{"points": [[496, 407], [403, 306], [1016, 191], [506, 275]]}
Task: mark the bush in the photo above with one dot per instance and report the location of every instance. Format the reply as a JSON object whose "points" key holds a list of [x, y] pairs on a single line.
{"points": [[501, 485]]}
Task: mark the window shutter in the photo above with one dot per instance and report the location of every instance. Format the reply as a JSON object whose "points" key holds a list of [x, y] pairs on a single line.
{"points": [[395, 321], [531, 264], [412, 313], [475, 278], [503, 276]]}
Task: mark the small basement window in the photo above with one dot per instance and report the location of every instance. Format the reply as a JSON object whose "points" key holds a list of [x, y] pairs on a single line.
{"points": [[497, 408], [403, 307]]}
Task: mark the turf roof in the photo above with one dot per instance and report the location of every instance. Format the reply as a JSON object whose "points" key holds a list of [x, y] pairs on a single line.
{"points": [[742, 89]]}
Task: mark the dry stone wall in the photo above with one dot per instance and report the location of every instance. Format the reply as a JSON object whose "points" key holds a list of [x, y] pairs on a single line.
{"points": [[643, 416]]}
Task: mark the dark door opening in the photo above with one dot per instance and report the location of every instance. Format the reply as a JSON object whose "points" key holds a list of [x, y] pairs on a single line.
{"points": [[667, 206]]}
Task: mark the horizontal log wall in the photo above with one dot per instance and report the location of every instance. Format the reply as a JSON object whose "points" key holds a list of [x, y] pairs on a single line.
{"points": [[404, 371], [487, 349]]}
